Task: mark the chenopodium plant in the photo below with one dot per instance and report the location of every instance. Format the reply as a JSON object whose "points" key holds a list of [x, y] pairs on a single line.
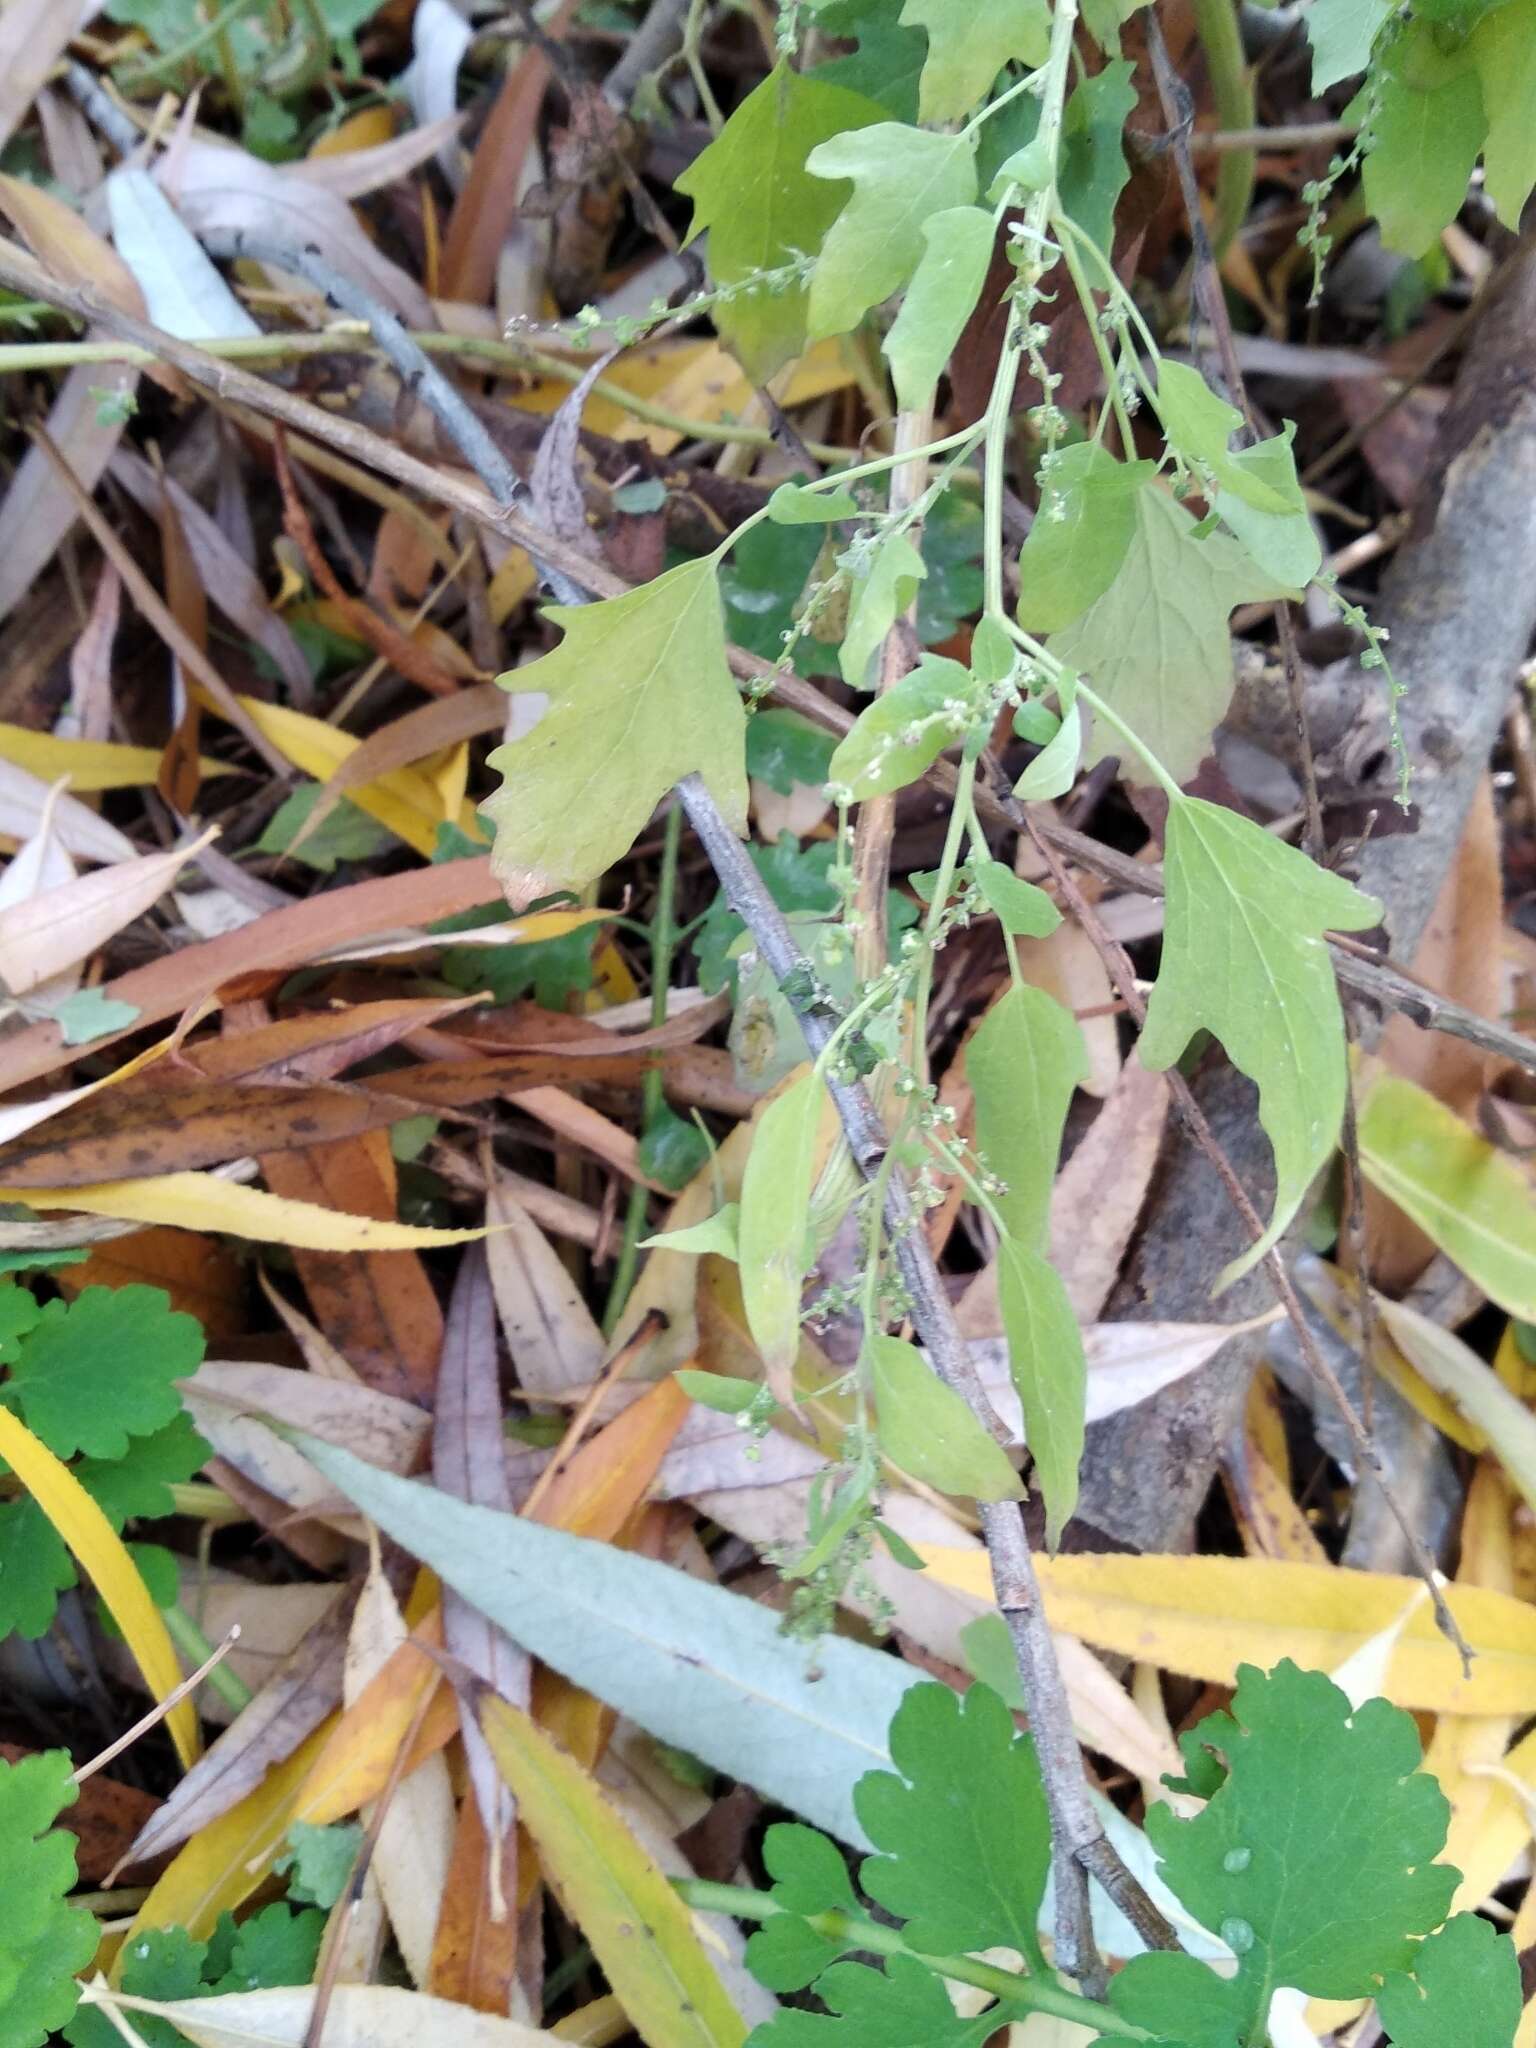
{"points": [[1311, 1863], [892, 176], [95, 1380]]}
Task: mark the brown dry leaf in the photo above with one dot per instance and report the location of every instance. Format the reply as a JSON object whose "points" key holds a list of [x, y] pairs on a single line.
{"points": [[607, 1479], [475, 1952], [317, 1045], [44, 935], [202, 1276], [180, 773], [33, 35], [480, 708], [289, 1707], [90, 659], [281, 939], [551, 1334], [377, 1308], [1460, 955]]}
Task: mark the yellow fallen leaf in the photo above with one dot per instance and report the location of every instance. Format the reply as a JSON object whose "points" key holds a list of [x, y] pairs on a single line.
{"points": [[90, 764], [367, 130], [229, 1858], [613, 1890], [1204, 1616], [99, 1550], [204, 1202]]}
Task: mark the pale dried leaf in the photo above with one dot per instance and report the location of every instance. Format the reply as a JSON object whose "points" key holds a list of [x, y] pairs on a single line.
{"points": [[554, 1342], [41, 936]]}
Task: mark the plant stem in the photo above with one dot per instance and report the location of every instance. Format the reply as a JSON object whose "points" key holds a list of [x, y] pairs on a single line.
{"points": [[1232, 86], [1029, 1994], [193, 1644], [652, 1098]]}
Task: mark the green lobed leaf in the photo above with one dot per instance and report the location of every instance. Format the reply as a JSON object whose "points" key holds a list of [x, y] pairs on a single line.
{"points": [[903, 2006], [1424, 146], [750, 188], [1080, 536], [929, 1432], [1342, 33], [140, 1483], [882, 586], [43, 1941], [771, 1229], [318, 1860], [962, 1825], [35, 1568], [1023, 910], [968, 47], [786, 751], [1155, 646], [905, 729], [1503, 48], [809, 1876], [1244, 958], [1046, 1361], [639, 696], [1284, 544], [888, 62], [900, 177], [1199, 425], [96, 1371], [1465, 1990], [939, 301], [1322, 1909], [90, 1013], [1093, 171]]}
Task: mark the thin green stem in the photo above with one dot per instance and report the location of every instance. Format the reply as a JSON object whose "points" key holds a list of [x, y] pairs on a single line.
{"points": [[663, 936], [196, 1648], [1029, 1994], [693, 36], [1232, 87], [1079, 277], [995, 106]]}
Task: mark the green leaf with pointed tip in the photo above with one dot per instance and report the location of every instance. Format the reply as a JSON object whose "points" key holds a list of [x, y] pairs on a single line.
{"points": [[1023, 910], [938, 302], [1503, 48], [888, 62], [1199, 425], [715, 1234], [881, 592], [1054, 769], [1080, 536], [1284, 544], [1046, 1363], [900, 177], [1464, 1991], [1093, 170], [905, 729], [639, 696], [961, 1824], [1341, 33], [771, 1228], [794, 505], [1424, 147], [1322, 1909], [1244, 958], [904, 2006], [713, 1390], [968, 47], [928, 1431], [1155, 646], [1024, 1062], [750, 188]]}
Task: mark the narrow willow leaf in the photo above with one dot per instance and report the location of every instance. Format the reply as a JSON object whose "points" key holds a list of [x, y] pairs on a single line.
{"points": [[968, 47], [938, 302], [1080, 536], [1471, 1199], [1503, 47], [1024, 1061], [1424, 148], [900, 176], [883, 588], [1054, 769], [691, 1663], [906, 729], [750, 188], [613, 1890], [1341, 33], [929, 1432], [1472, 1387], [1045, 1357], [1022, 909], [1156, 645], [639, 696], [1244, 958], [771, 1228]]}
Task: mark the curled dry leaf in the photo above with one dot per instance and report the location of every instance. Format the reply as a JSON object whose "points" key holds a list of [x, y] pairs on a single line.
{"points": [[43, 935]]}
